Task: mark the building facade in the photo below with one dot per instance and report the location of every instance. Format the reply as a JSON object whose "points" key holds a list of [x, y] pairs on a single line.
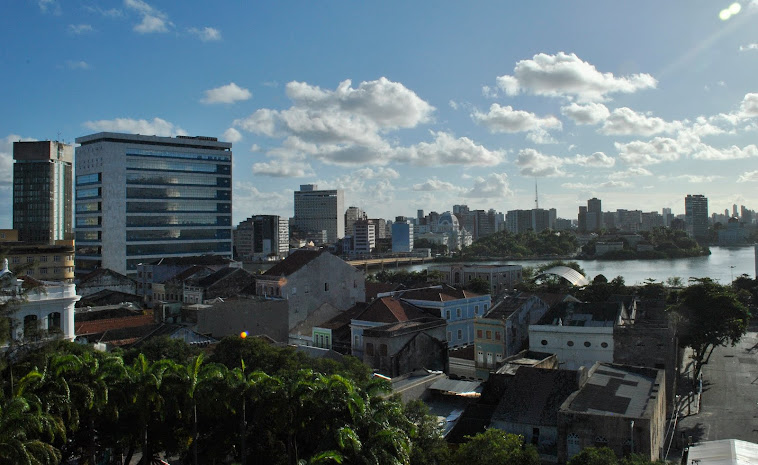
{"points": [[262, 236], [42, 191], [317, 210], [142, 198], [402, 236], [364, 236], [696, 215]]}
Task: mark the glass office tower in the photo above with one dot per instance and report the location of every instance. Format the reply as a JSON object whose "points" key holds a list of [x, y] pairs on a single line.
{"points": [[143, 198]]}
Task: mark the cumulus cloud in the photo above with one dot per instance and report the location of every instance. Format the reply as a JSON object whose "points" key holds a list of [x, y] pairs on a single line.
{"points": [[565, 75], [153, 20], [282, 169], [602, 185], [494, 186], [707, 152], [448, 150], [658, 150], [692, 178], [536, 164], [744, 48], [629, 172], [749, 106], [232, 135], [435, 185], [625, 121], [506, 119], [6, 158], [157, 126], [377, 173], [748, 176], [229, 93], [79, 29], [49, 6], [206, 34], [247, 198], [596, 160], [453, 104], [591, 113]]}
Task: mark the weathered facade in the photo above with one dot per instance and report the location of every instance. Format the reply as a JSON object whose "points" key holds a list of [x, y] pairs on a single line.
{"points": [[105, 279], [399, 348]]}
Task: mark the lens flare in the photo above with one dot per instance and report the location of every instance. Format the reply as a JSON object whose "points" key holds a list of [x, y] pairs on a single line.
{"points": [[725, 14], [243, 334], [735, 8]]}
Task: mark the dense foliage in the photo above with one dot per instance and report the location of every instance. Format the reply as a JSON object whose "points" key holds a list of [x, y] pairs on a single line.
{"points": [[666, 242], [249, 402], [407, 278], [504, 244]]}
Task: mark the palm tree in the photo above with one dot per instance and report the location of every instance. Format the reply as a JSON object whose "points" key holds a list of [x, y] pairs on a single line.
{"points": [[26, 432]]}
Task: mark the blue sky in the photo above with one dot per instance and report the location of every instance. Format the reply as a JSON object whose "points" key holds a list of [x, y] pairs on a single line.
{"points": [[406, 105]]}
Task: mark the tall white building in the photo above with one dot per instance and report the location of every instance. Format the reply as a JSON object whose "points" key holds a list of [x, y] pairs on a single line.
{"points": [[143, 198], [317, 210]]}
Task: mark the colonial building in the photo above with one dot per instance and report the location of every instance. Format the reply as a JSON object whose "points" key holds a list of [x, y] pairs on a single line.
{"points": [[398, 348], [500, 277]]}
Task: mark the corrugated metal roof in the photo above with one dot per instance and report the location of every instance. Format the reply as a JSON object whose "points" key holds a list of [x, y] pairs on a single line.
{"points": [[459, 387], [723, 452]]}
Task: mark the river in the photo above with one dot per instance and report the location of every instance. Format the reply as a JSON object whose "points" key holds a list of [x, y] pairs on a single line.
{"points": [[722, 265]]}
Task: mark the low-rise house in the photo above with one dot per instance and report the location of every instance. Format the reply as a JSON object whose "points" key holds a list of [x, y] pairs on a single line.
{"points": [[334, 334], [105, 279], [308, 279], [620, 407], [403, 347], [579, 333], [504, 330], [501, 278], [382, 311], [171, 289], [456, 306], [223, 283]]}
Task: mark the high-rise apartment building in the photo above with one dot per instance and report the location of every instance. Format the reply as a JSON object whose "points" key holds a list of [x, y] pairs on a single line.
{"points": [[262, 236], [143, 198], [696, 215], [317, 210], [352, 214], [42, 191], [594, 214], [364, 236]]}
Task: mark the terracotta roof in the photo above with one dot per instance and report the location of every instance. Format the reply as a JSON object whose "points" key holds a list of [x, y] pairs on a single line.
{"points": [[390, 310], [109, 324], [293, 262], [437, 294]]}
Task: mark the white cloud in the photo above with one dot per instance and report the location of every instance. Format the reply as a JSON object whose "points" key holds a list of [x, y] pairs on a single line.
{"points": [[49, 6], [453, 104], [749, 106], [206, 34], [748, 176], [692, 178], [602, 185], [232, 135], [229, 93], [506, 119], [629, 172], [153, 21], [707, 152], [111, 13], [591, 113], [658, 150], [747, 47], [536, 164], [489, 92], [494, 186], [448, 150], [73, 64], [79, 29], [565, 75], [157, 126], [625, 121], [377, 173], [247, 199], [435, 185], [282, 169], [255, 148], [597, 160]]}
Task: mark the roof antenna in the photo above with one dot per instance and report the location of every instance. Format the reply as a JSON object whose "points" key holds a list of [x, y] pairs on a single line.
{"points": [[536, 196]]}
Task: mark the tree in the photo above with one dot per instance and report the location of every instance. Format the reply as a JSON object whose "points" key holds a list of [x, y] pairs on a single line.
{"points": [[710, 316], [26, 432], [478, 286], [428, 447], [495, 447], [594, 456]]}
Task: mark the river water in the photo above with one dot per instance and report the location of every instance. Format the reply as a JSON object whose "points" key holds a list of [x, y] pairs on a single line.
{"points": [[722, 265]]}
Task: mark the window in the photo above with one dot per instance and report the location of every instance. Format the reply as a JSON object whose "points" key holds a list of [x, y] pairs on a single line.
{"points": [[294, 291], [570, 343], [543, 342], [479, 333], [489, 359], [369, 348], [326, 287], [604, 345], [476, 309], [480, 357], [43, 258], [449, 336], [57, 258], [16, 259], [43, 271], [447, 314], [457, 312], [29, 259], [485, 307], [489, 335], [356, 341], [383, 349], [587, 343], [460, 334], [497, 335]]}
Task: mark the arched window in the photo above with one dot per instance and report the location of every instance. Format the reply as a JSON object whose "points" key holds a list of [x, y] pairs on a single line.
{"points": [[54, 320]]}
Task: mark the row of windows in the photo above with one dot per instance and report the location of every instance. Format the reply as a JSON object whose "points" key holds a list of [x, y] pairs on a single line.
{"points": [[88, 207], [88, 221], [604, 345], [178, 234], [93, 178], [458, 312], [187, 167], [179, 248], [450, 335], [178, 220], [491, 362], [42, 258], [180, 155], [56, 270], [480, 334], [179, 179], [178, 206], [88, 193], [89, 236], [177, 192]]}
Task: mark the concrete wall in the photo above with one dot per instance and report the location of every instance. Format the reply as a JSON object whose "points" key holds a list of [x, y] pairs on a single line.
{"points": [[569, 343], [256, 317]]}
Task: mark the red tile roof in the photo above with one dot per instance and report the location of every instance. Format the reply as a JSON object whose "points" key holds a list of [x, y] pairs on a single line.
{"points": [[108, 324], [390, 310]]}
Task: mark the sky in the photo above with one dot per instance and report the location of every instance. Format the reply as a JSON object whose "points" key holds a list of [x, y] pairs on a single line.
{"points": [[406, 105]]}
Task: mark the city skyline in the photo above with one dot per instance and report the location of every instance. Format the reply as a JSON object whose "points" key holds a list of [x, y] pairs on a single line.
{"points": [[407, 107]]}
